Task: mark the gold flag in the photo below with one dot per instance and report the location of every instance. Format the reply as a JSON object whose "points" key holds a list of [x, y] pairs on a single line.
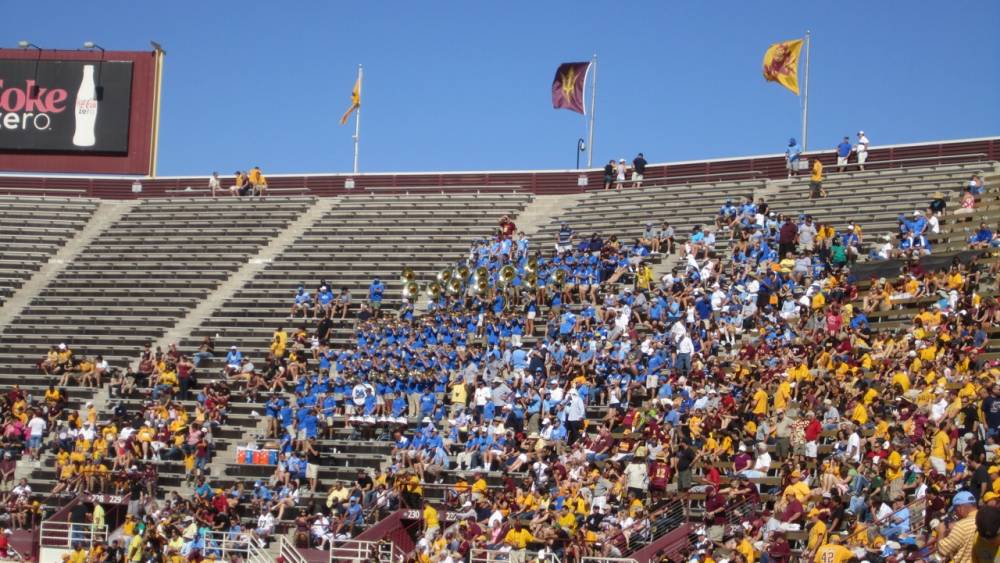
{"points": [[781, 64], [355, 101]]}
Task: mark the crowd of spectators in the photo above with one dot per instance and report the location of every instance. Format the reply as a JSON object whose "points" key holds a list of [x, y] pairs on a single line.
{"points": [[558, 399]]}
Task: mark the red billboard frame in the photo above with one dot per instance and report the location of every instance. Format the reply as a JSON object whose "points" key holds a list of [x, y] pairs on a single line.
{"points": [[137, 160]]}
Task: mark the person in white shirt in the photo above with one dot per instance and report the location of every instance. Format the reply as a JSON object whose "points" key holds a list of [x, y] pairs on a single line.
{"points": [[854, 446], [214, 184], [36, 427], [861, 149]]}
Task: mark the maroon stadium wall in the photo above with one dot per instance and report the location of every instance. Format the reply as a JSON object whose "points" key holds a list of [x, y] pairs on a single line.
{"points": [[83, 112], [538, 182]]}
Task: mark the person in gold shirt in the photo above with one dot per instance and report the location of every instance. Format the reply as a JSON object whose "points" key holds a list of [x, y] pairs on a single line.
{"points": [[517, 538], [257, 182], [833, 552]]}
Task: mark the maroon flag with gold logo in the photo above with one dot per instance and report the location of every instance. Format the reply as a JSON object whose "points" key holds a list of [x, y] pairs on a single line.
{"points": [[567, 88]]}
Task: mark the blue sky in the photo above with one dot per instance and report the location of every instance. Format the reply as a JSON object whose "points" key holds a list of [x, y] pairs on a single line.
{"points": [[465, 85]]}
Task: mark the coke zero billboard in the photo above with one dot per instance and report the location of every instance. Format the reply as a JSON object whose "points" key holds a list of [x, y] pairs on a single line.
{"points": [[65, 105]]}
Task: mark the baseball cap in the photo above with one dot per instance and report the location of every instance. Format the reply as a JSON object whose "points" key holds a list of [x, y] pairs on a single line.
{"points": [[962, 497]]}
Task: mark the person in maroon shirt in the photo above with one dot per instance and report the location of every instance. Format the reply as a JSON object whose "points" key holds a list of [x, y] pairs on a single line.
{"points": [[778, 550], [507, 227], [660, 475]]}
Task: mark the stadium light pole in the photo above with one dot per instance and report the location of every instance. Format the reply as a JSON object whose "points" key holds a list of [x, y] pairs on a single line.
{"points": [[25, 44], [100, 67]]}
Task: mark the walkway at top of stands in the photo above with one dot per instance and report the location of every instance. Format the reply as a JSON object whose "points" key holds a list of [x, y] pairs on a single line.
{"points": [[536, 181]]}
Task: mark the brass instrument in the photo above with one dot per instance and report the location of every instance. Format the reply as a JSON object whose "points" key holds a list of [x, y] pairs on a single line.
{"points": [[433, 290], [532, 265], [462, 273], [407, 275], [506, 275], [559, 277], [482, 286], [530, 279], [444, 276], [454, 286], [410, 289], [482, 274]]}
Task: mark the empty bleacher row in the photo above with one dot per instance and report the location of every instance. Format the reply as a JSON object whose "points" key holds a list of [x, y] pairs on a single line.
{"points": [[137, 278], [33, 230]]}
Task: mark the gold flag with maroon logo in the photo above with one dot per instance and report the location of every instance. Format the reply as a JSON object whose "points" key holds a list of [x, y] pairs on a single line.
{"points": [[781, 64]]}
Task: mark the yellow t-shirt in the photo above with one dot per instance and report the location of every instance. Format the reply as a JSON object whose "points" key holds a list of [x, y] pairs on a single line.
{"points": [[817, 535], [518, 539], [431, 517], [760, 402], [817, 171], [939, 445], [833, 553]]}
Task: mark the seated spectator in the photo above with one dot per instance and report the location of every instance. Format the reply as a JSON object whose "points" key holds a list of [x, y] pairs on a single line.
{"points": [[967, 204]]}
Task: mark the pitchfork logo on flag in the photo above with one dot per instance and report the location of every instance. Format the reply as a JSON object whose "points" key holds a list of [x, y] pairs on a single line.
{"points": [[567, 88], [781, 64]]}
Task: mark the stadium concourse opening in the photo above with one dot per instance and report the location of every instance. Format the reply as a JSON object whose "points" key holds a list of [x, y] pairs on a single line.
{"points": [[722, 363]]}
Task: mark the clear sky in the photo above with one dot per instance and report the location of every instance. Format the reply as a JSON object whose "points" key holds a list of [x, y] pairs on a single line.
{"points": [[466, 85]]}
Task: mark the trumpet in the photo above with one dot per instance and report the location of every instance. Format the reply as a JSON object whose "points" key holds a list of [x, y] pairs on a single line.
{"points": [[407, 275], [454, 286], [433, 290], [410, 289], [506, 275], [444, 275]]}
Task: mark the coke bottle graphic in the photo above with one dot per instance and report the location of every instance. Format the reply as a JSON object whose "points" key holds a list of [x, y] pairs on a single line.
{"points": [[86, 110]]}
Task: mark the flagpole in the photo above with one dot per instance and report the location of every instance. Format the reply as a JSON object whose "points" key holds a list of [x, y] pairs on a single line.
{"points": [[357, 120], [593, 110], [805, 100]]}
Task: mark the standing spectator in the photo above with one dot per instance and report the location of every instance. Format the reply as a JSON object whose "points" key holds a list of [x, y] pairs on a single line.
{"points": [[375, 291], [258, 184], [609, 174], [620, 175], [861, 149], [507, 227], [843, 153], [957, 540], [214, 184], [792, 154], [36, 429], [564, 240], [787, 236], [638, 170], [816, 180]]}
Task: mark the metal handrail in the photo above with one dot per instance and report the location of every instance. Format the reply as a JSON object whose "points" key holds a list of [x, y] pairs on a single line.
{"points": [[482, 555], [289, 552], [978, 155], [65, 534], [363, 551], [242, 546], [595, 559]]}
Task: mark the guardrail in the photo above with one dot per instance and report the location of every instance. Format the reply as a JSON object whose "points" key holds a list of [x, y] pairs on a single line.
{"points": [[288, 552], [226, 546], [363, 551], [63, 535], [480, 555]]}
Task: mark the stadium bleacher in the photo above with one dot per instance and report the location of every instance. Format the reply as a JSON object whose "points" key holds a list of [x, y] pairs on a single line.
{"points": [[138, 279]]}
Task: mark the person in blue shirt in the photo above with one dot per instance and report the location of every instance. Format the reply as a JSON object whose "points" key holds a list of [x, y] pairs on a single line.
{"points": [[982, 237], [843, 153], [375, 291], [792, 154], [234, 360], [301, 303], [324, 299]]}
